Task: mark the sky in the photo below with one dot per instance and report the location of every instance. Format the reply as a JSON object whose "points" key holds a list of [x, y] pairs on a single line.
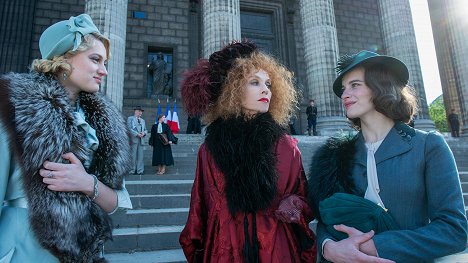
{"points": [[426, 50]]}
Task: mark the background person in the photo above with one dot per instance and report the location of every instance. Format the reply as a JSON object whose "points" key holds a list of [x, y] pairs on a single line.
{"points": [[311, 112], [248, 198], [64, 151], [409, 175], [162, 154], [193, 125], [137, 126], [454, 123]]}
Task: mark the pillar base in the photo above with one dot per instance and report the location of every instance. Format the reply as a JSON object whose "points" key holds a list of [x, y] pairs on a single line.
{"points": [[332, 126], [464, 131], [424, 124]]}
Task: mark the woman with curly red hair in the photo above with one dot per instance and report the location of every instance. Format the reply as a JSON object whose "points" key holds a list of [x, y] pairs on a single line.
{"points": [[248, 199]]}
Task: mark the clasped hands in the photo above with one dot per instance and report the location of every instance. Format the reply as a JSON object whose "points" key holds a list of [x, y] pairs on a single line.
{"points": [[358, 247]]}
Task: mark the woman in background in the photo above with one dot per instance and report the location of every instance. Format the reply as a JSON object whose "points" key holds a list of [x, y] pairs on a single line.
{"points": [[161, 139]]}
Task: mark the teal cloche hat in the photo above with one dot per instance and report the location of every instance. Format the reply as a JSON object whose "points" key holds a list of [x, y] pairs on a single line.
{"points": [[65, 35], [349, 62]]}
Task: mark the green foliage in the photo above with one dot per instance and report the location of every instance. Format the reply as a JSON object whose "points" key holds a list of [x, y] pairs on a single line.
{"points": [[438, 115]]}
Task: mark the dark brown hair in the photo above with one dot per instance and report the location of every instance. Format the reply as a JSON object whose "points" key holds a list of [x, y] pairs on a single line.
{"points": [[391, 97], [160, 116]]}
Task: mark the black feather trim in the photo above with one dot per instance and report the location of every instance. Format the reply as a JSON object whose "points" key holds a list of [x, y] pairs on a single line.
{"points": [[243, 149], [343, 62], [330, 170]]}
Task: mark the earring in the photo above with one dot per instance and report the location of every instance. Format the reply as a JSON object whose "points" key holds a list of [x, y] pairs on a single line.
{"points": [[65, 76]]}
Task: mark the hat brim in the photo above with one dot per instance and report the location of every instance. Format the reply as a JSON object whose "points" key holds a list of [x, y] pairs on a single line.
{"points": [[394, 65]]}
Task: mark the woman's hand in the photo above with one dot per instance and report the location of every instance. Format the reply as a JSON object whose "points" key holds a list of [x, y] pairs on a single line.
{"points": [[367, 247], [349, 249], [73, 177], [70, 177], [290, 209]]}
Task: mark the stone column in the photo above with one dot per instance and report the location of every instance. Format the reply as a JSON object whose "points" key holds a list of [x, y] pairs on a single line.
{"points": [[400, 42], [458, 28], [442, 39], [111, 19], [221, 24], [321, 54]]}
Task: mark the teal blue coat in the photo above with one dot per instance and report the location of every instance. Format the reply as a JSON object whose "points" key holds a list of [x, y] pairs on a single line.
{"points": [[420, 187], [18, 243]]}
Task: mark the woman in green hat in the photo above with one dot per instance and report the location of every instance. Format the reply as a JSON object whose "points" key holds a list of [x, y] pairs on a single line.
{"points": [[391, 193], [64, 151]]}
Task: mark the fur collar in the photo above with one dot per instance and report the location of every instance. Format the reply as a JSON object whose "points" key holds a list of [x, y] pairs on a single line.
{"points": [[330, 170], [38, 116], [243, 149]]}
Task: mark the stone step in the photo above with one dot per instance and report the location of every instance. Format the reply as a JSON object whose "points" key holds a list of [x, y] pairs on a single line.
{"points": [[160, 201], [159, 187], [144, 239], [464, 186], [150, 217], [177, 165], [160, 256], [169, 175], [463, 176]]}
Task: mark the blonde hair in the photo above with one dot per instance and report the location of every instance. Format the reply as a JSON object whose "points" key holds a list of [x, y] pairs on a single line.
{"points": [[284, 97], [59, 64]]}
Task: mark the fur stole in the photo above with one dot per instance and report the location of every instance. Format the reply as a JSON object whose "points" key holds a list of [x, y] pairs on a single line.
{"points": [[40, 121], [331, 170], [243, 149]]}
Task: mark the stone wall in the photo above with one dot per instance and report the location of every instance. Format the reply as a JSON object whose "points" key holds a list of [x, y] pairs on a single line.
{"points": [[165, 26], [49, 12], [358, 26]]}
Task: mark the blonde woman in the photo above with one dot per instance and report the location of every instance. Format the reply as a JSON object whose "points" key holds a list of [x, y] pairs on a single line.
{"points": [[65, 149]]}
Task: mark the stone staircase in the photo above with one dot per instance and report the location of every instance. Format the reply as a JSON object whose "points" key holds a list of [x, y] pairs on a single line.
{"points": [[459, 148], [150, 232]]}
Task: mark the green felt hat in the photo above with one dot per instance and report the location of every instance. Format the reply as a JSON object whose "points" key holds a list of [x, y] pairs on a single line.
{"points": [[349, 62], [65, 35]]}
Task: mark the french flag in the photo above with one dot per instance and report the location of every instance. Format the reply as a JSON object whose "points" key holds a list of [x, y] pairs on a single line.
{"points": [[168, 120], [175, 127]]}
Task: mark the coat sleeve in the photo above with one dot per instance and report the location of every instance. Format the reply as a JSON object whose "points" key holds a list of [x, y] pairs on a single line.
{"points": [[289, 155], [192, 237], [170, 135], [130, 126], [145, 131], [5, 163], [447, 231]]}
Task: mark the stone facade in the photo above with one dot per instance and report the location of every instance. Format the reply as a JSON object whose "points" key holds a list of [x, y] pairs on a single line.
{"points": [[189, 29], [358, 26]]}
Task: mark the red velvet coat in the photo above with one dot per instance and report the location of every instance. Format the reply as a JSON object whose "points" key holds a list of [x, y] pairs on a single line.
{"points": [[211, 227]]}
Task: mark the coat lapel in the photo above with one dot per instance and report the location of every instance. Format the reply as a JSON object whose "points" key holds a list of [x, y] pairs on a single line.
{"points": [[394, 144]]}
